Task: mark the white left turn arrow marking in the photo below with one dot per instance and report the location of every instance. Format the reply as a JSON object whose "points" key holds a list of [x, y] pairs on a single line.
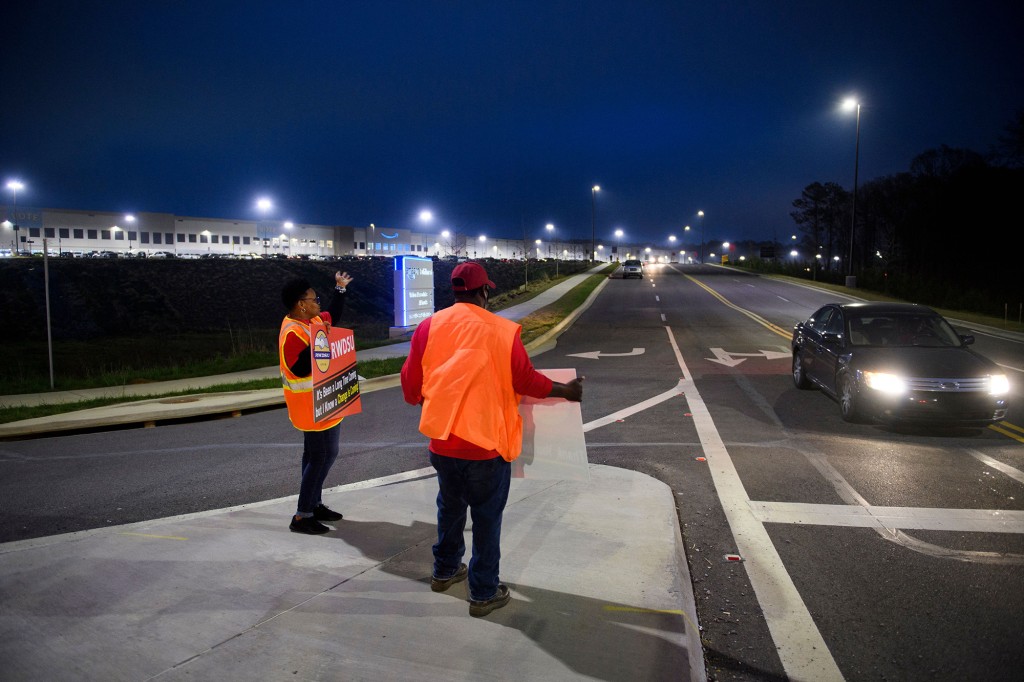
{"points": [[595, 354]]}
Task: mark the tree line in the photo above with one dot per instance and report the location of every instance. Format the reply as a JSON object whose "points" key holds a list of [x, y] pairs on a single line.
{"points": [[943, 233]]}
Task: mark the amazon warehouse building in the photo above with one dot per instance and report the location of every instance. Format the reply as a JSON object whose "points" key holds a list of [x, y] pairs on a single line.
{"points": [[73, 233]]}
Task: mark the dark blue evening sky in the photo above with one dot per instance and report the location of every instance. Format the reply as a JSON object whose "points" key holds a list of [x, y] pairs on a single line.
{"points": [[495, 115]]}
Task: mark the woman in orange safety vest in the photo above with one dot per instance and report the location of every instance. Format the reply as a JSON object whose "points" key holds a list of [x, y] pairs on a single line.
{"points": [[320, 440]]}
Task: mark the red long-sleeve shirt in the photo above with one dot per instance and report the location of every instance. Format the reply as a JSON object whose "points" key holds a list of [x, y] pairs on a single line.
{"points": [[525, 381]]}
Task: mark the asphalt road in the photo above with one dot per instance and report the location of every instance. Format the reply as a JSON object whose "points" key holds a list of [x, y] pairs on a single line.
{"points": [[692, 362]]}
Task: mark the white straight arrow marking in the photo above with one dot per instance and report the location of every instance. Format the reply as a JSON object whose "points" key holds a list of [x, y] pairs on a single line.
{"points": [[595, 354]]}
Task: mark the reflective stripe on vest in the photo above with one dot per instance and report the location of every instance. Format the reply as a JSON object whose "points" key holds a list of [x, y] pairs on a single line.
{"points": [[297, 389]]}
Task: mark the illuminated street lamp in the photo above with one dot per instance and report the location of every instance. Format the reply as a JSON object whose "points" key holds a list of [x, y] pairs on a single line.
{"points": [[447, 235], [130, 219], [618, 245], [551, 230], [264, 205], [700, 214], [593, 220], [849, 104], [15, 186]]}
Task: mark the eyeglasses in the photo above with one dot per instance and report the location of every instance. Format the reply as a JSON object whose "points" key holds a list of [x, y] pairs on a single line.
{"points": [[315, 298]]}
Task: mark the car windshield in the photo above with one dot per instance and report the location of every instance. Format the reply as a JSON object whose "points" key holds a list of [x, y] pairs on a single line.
{"points": [[901, 329], [633, 263]]}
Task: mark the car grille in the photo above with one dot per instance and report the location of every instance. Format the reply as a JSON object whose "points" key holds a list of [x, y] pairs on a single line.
{"points": [[970, 385]]}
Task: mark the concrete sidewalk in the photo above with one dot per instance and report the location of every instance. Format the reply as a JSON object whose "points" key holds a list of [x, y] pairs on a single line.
{"points": [[597, 572]]}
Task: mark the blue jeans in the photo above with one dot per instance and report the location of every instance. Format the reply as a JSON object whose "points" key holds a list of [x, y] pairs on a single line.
{"points": [[319, 450], [482, 486]]}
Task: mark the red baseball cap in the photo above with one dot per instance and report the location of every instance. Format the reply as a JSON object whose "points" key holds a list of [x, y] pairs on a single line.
{"points": [[468, 276]]}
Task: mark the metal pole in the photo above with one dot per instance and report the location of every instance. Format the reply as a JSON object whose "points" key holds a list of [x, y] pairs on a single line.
{"points": [[700, 214], [856, 168], [593, 223], [46, 288]]}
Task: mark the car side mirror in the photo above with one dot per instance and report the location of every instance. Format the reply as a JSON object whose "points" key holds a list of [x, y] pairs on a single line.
{"points": [[966, 339], [832, 338]]}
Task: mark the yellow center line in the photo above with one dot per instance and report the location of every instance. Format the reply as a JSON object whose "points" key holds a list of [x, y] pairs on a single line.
{"points": [[770, 326], [999, 428]]}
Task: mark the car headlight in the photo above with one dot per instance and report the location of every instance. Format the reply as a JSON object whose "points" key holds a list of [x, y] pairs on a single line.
{"points": [[998, 384], [886, 383]]}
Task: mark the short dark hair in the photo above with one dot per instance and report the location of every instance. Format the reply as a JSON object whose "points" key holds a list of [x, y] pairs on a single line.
{"points": [[293, 290]]}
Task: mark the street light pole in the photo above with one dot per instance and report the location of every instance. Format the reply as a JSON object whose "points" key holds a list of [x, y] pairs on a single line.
{"points": [[130, 219], [850, 104], [593, 221], [551, 231], [14, 186], [700, 214]]}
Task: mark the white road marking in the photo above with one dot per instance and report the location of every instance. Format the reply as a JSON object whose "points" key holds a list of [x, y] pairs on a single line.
{"points": [[803, 651], [595, 354], [663, 317], [633, 409], [1015, 474], [913, 518], [782, 299], [1015, 369], [724, 357], [893, 534]]}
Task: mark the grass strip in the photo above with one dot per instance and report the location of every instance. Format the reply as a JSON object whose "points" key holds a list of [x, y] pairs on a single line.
{"points": [[368, 370], [987, 320]]}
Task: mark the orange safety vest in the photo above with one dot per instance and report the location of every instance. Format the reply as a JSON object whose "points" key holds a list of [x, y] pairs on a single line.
{"points": [[467, 380], [298, 390]]}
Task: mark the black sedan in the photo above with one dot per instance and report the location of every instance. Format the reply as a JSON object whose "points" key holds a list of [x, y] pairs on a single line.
{"points": [[897, 362]]}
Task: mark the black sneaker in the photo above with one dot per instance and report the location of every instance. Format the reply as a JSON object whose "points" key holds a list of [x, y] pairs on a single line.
{"points": [[308, 526], [439, 585], [322, 513], [482, 608]]}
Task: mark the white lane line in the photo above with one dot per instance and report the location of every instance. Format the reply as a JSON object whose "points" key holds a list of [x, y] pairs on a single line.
{"points": [[803, 651], [913, 518], [1015, 474], [633, 409], [782, 299], [1015, 369]]}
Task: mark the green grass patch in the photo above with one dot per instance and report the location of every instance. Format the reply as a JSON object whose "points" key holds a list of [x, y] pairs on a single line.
{"points": [[540, 322]]}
